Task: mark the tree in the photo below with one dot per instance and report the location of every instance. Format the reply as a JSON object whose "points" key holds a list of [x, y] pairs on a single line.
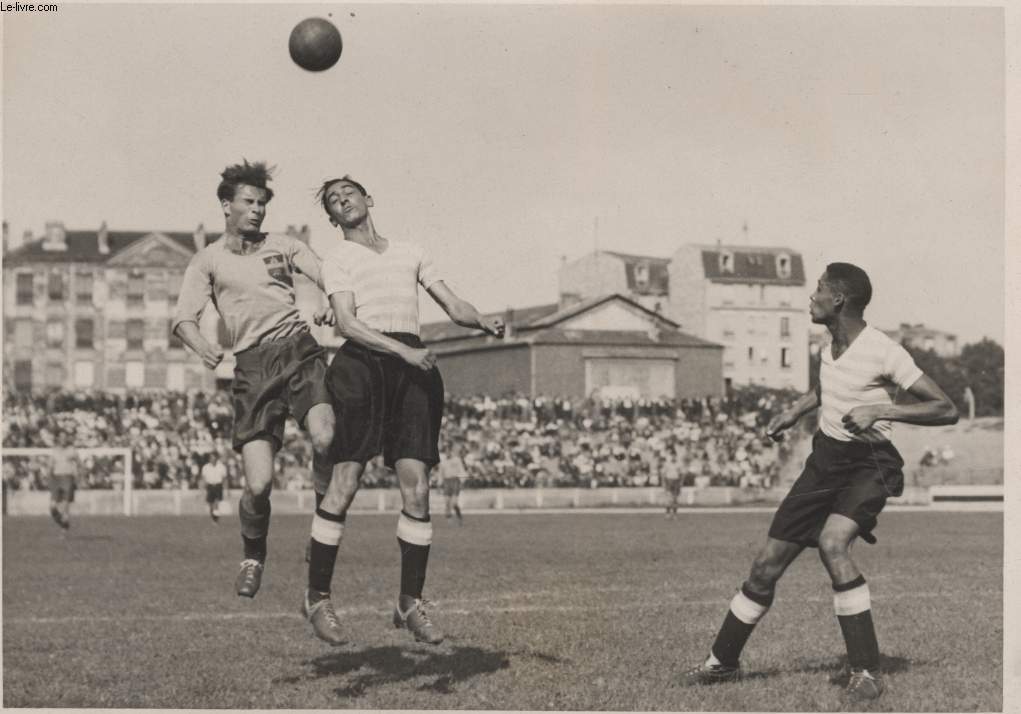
{"points": [[982, 370]]}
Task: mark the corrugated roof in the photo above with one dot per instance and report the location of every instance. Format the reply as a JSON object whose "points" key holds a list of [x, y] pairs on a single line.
{"points": [[657, 278], [755, 265], [517, 318], [559, 336]]}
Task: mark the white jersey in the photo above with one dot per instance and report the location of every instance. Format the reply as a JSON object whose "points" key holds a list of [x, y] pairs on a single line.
{"points": [[385, 285], [214, 474], [870, 371]]}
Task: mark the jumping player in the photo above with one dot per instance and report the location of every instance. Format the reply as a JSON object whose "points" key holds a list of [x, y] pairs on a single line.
{"points": [[63, 473], [279, 367], [852, 470], [387, 393], [213, 474]]}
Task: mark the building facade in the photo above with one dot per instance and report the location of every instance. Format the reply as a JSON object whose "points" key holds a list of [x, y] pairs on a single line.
{"points": [[93, 310], [610, 346], [751, 300]]}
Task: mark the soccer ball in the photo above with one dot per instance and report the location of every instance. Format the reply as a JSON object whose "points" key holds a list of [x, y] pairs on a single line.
{"points": [[315, 44]]}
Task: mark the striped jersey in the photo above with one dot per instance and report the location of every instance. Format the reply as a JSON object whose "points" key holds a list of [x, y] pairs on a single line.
{"points": [[870, 371], [385, 285]]}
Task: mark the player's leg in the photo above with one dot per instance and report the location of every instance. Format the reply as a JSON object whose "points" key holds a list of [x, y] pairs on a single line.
{"points": [[324, 544], [54, 508], [254, 512], [853, 606], [414, 536], [457, 507]]}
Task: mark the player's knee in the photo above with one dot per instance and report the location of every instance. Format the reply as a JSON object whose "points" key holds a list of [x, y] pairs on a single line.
{"points": [[321, 439], [832, 546], [765, 573]]}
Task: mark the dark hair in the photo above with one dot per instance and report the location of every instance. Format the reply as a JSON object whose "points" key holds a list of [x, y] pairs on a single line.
{"points": [[852, 281], [245, 174], [321, 193]]}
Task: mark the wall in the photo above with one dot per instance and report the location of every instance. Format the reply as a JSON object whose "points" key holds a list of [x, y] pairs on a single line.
{"points": [[593, 275], [493, 371]]}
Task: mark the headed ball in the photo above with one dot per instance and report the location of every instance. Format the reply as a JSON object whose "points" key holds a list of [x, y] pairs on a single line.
{"points": [[315, 44]]}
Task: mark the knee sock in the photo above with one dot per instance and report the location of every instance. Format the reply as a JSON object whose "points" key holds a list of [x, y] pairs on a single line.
{"points": [[327, 531], [414, 536], [746, 609], [254, 512], [853, 606]]}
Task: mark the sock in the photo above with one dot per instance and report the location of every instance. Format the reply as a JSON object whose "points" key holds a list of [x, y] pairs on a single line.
{"points": [[254, 512], [746, 609], [327, 530], [414, 535], [853, 606]]}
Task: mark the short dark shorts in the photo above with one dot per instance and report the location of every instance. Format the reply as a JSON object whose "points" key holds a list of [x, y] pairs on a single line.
{"points": [[385, 406], [852, 479], [272, 380], [62, 489], [672, 487], [451, 487], [214, 493]]}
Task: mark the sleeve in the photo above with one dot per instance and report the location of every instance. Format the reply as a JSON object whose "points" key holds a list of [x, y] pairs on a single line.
{"points": [[899, 367], [196, 291], [336, 275], [427, 270], [307, 262]]}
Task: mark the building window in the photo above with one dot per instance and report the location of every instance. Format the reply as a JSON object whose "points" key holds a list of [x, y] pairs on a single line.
{"points": [[84, 373], [135, 333], [83, 288], [26, 289], [785, 357], [54, 375], [134, 374], [55, 333], [173, 341], [136, 289], [783, 265], [726, 262], [174, 286], [23, 375], [642, 275], [83, 333], [24, 334], [55, 287], [785, 327]]}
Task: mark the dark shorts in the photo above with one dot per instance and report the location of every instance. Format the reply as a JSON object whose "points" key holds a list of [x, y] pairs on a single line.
{"points": [[451, 487], [672, 487], [385, 406], [214, 493], [852, 479], [273, 380], [62, 489]]}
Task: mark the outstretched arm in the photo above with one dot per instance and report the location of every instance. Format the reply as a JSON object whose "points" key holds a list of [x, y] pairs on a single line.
{"points": [[788, 418], [462, 312], [352, 328], [934, 408]]}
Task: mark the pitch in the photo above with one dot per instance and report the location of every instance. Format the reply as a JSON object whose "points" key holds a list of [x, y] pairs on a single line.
{"points": [[580, 611]]}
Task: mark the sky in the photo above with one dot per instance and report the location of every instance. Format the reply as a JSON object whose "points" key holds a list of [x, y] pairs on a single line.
{"points": [[506, 137]]}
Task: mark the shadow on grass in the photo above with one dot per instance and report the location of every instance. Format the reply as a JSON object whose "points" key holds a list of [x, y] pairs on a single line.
{"points": [[835, 667], [444, 668]]}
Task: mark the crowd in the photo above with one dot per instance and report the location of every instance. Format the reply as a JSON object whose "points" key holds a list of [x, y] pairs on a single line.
{"points": [[511, 441]]}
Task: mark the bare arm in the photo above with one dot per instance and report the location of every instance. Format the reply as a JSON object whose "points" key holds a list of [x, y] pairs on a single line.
{"points": [[462, 312], [189, 333], [352, 328], [934, 408], [788, 418]]}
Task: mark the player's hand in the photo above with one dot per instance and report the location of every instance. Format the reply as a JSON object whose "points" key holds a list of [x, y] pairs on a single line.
{"points": [[493, 326], [422, 358], [325, 317], [211, 356], [779, 424], [862, 418]]}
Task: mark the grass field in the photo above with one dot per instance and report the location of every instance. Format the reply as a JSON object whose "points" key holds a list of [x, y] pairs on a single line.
{"points": [[583, 611]]}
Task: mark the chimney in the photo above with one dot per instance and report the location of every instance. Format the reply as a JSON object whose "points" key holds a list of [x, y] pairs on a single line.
{"points": [[56, 238], [508, 322], [103, 240], [27, 236], [199, 237], [6, 231]]}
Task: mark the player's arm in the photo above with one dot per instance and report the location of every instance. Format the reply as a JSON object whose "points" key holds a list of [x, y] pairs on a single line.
{"points": [[196, 292], [933, 408], [307, 262], [786, 419], [462, 312], [352, 328]]}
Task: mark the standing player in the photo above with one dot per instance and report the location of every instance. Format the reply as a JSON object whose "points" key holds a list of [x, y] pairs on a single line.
{"points": [[452, 471], [671, 483], [851, 471], [213, 475], [63, 472], [387, 392], [279, 367]]}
